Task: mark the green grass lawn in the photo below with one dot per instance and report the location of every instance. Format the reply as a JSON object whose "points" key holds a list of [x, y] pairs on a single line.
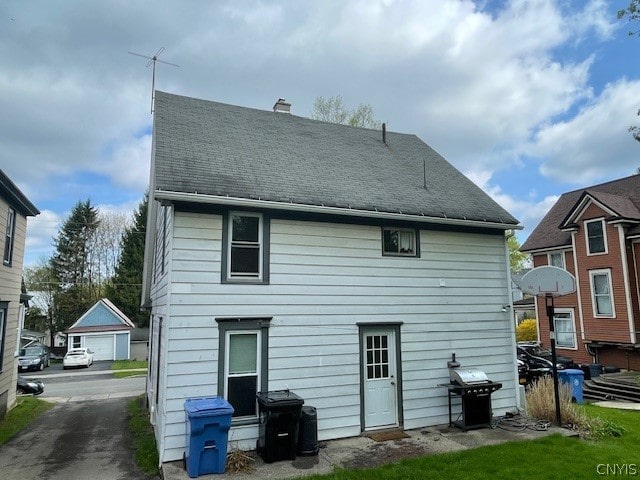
{"points": [[553, 457], [144, 442], [27, 410], [128, 365]]}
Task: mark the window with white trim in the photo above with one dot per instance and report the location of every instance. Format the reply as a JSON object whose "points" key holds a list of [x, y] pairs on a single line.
{"points": [[76, 341], [601, 293], [245, 247], [564, 328], [556, 259], [9, 236], [399, 241], [596, 238], [243, 364]]}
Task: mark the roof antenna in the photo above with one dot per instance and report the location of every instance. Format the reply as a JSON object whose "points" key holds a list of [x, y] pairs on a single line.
{"points": [[152, 61], [384, 133]]}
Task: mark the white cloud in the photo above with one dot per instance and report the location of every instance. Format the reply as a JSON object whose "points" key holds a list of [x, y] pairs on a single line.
{"points": [[41, 231], [127, 165], [476, 84], [594, 143], [527, 208]]}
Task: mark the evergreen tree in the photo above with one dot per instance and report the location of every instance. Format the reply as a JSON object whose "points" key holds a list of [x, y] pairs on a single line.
{"points": [[71, 265], [125, 289]]}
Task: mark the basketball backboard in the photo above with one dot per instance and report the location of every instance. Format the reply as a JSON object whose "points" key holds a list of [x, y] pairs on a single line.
{"points": [[548, 281]]}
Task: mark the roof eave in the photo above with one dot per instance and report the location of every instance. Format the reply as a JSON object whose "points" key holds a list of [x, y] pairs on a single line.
{"points": [[296, 207]]}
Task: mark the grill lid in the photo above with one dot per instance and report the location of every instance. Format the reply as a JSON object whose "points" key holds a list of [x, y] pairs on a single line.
{"points": [[467, 376]]}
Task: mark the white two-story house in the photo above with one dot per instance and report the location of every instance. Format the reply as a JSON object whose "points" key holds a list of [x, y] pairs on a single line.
{"points": [[345, 264]]}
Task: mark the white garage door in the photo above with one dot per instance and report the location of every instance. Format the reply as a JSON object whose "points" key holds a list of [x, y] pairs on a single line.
{"points": [[101, 346]]}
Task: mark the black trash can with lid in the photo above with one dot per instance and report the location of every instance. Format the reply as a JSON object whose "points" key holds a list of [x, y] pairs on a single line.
{"points": [[308, 435], [279, 422]]}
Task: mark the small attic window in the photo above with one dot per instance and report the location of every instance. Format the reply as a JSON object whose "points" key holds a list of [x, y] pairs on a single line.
{"points": [[399, 242]]}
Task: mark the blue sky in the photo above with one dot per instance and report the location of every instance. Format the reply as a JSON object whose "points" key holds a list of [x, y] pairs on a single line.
{"points": [[528, 98]]}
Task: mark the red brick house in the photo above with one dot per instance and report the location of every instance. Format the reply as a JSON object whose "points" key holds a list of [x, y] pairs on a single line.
{"points": [[594, 233]]}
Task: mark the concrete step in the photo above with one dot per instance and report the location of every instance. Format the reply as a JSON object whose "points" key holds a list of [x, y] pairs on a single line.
{"points": [[612, 387]]}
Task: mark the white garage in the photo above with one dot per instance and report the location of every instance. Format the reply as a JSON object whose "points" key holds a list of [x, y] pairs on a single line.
{"points": [[101, 346], [103, 329]]}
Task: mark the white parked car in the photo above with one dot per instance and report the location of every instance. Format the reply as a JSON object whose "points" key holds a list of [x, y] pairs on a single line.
{"points": [[77, 357]]}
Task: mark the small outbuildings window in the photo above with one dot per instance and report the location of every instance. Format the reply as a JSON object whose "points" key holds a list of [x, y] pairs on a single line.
{"points": [[596, 240], [9, 236], [399, 242], [246, 252]]}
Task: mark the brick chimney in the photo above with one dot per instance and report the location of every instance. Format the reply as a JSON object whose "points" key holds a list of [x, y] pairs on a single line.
{"points": [[282, 106]]}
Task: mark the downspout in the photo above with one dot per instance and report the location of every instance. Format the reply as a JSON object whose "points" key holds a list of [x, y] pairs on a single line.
{"points": [[635, 270], [627, 287], [512, 322], [578, 291]]}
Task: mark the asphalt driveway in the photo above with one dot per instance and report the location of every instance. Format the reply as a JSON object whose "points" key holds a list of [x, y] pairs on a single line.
{"points": [[79, 440]]}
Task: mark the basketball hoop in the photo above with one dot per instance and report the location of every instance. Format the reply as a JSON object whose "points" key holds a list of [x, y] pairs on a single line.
{"points": [[550, 282]]}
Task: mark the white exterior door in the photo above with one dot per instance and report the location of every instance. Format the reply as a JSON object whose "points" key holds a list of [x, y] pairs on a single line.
{"points": [[101, 346], [379, 377]]}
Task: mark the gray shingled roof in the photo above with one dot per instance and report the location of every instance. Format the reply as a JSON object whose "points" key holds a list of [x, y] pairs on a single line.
{"points": [[212, 148], [12, 194], [548, 234]]}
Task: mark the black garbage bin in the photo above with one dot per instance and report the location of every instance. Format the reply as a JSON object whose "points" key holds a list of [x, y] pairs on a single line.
{"points": [[279, 422], [308, 435]]}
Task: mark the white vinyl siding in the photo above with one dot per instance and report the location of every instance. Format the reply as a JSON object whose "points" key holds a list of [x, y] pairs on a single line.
{"points": [[10, 277], [324, 278]]}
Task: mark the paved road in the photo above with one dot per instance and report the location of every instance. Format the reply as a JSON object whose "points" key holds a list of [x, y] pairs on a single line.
{"points": [[79, 440], [92, 388]]}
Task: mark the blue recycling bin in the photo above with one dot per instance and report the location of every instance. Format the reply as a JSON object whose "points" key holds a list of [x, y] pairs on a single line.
{"points": [[575, 378], [208, 422]]}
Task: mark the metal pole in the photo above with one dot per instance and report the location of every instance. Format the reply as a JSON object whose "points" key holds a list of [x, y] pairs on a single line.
{"points": [[554, 358]]}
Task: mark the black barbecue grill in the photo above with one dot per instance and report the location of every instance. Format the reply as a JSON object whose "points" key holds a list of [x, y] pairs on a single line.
{"points": [[474, 389]]}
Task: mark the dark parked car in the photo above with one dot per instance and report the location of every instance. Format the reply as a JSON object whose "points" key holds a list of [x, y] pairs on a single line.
{"points": [[537, 357], [29, 386], [523, 372], [34, 357]]}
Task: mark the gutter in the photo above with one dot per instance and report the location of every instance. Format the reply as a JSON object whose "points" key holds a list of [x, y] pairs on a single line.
{"points": [[296, 207]]}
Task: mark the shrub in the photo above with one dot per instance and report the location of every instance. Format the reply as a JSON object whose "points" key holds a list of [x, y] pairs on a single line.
{"points": [[541, 404], [527, 331]]}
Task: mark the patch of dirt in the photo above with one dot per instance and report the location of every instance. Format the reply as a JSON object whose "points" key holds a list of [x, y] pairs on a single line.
{"points": [[381, 453]]}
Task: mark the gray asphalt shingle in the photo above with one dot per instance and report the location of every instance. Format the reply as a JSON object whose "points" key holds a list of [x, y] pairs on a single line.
{"points": [[217, 149], [622, 196]]}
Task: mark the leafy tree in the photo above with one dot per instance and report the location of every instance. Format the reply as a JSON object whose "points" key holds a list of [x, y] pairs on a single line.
{"points": [[333, 110], [71, 265], [43, 284], [517, 259], [527, 331], [125, 288]]}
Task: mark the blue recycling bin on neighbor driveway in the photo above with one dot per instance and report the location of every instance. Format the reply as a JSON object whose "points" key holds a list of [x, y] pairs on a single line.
{"points": [[575, 378], [208, 422]]}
